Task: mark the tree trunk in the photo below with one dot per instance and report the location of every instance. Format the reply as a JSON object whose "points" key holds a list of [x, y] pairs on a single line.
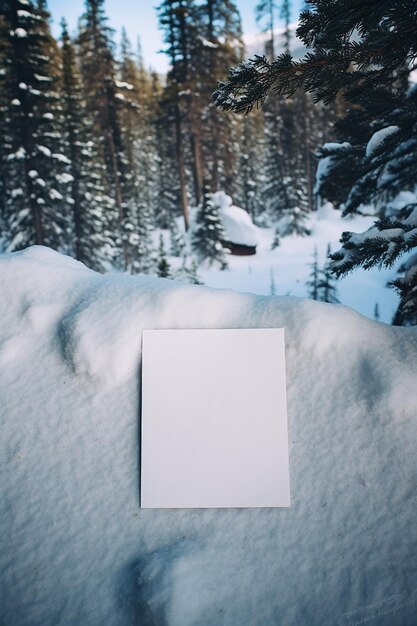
{"points": [[181, 166], [307, 155], [118, 193], [197, 164]]}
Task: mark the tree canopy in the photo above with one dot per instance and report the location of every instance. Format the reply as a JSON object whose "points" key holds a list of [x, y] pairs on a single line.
{"points": [[363, 51]]}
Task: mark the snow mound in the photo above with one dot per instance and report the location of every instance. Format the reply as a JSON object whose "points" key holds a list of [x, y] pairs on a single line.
{"points": [[237, 222], [76, 548]]}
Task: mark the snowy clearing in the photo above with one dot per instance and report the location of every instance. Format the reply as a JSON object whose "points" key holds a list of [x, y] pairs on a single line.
{"points": [[289, 266], [76, 548]]}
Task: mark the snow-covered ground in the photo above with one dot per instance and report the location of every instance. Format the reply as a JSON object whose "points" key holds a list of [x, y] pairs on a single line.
{"points": [[289, 266], [75, 547]]}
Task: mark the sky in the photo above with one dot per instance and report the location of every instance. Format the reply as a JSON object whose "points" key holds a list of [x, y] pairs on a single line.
{"points": [[140, 19]]}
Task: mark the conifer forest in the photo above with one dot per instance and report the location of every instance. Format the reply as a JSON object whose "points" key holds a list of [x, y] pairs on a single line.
{"points": [[125, 168]]}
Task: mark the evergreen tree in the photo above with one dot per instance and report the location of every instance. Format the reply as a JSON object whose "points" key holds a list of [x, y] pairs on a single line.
{"points": [[327, 287], [276, 242], [313, 282], [192, 274], [275, 190], [202, 38], [285, 187], [92, 208], [178, 244], [265, 13], [249, 175], [103, 101], [208, 233], [167, 188], [285, 193], [383, 165], [272, 285], [336, 61], [220, 44], [136, 129], [406, 286], [361, 69], [5, 54], [163, 267], [141, 242], [293, 220], [176, 18], [189, 272], [154, 153], [35, 178], [286, 16]]}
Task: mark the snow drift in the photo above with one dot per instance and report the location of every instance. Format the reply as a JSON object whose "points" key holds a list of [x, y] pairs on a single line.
{"points": [[76, 548]]}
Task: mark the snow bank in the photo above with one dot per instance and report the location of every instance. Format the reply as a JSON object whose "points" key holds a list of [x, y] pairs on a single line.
{"points": [[237, 222], [76, 548]]}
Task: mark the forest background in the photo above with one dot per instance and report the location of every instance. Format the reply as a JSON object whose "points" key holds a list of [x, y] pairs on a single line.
{"points": [[117, 164]]}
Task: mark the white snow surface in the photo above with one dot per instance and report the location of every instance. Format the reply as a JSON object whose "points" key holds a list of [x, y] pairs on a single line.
{"points": [[290, 266], [20, 32], [378, 139], [237, 222], [76, 547]]}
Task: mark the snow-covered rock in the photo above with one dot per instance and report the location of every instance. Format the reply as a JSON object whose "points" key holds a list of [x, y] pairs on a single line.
{"points": [[76, 548], [237, 222]]}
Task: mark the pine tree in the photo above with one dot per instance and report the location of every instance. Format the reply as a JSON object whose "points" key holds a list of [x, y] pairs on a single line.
{"points": [[286, 16], [154, 151], [202, 38], [163, 267], [208, 233], [138, 139], [361, 69], [178, 244], [192, 275], [285, 187], [189, 272], [167, 181], [284, 190], [219, 43], [293, 220], [103, 101], [336, 62], [313, 282], [265, 12], [276, 242], [326, 286], [249, 175], [35, 177], [176, 20], [5, 54], [141, 242], [92, 208], [275, 191], [383, 164], [272, 285]]}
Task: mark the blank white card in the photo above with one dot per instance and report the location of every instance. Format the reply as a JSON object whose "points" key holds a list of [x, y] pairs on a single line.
{"points": [[214, 419]]}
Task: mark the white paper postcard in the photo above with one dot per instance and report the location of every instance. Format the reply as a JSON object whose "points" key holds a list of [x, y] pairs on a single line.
{"points": [[214, 419]]}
